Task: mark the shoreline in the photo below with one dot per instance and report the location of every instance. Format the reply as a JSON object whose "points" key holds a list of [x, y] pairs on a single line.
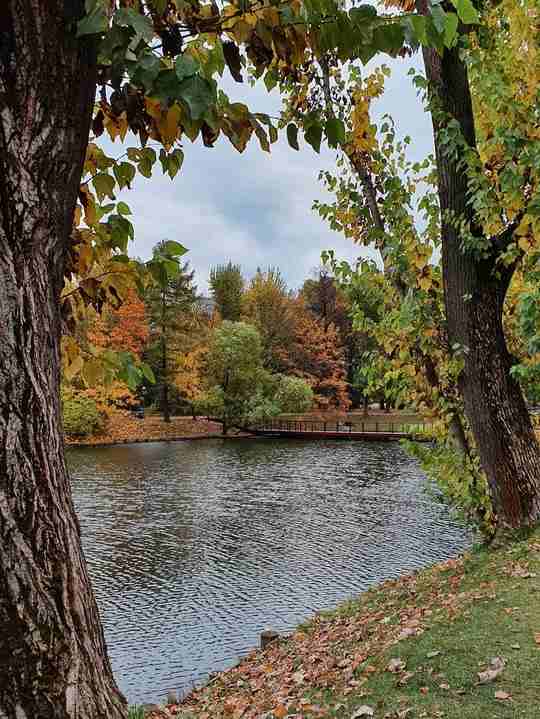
{"points": [[422, 645], [148, 440]]}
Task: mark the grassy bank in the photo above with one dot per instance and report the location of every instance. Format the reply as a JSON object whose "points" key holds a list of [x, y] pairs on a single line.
{"points": [[460, 640]]}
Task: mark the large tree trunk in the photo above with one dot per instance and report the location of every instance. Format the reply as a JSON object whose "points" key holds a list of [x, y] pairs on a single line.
{"points": [[474, 297], [53, 659]]}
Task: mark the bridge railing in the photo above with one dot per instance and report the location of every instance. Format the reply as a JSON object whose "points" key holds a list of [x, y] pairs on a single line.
{"points": [[366, 427]]}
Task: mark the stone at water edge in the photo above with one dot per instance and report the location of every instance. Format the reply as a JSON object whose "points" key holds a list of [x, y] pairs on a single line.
{"points": [[267, 637]]}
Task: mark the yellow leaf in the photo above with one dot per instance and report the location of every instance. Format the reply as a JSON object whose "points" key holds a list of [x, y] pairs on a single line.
{"points": [[92, 373], [524, 225], [525, 243], [424, 282], [168, 126], [241, 31], [89, 204], [77, 216], [86, 256], [74, 368], [153, 107]]}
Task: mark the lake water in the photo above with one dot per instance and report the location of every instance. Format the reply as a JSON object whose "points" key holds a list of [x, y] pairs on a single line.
{"points": [[194, 548]]}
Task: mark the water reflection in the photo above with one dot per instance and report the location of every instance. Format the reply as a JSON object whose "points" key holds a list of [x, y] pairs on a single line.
{"points": [[194, 548]]}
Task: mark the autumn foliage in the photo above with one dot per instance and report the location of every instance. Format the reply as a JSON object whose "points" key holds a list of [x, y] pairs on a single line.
{"points": [[317, 355]]}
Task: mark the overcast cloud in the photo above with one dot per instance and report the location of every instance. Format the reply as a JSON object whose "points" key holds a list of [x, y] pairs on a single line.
{"points": [[254, 208]]}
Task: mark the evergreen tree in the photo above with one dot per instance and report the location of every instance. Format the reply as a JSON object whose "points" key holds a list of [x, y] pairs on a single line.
{"points": [[171, 311], [227, 288]]}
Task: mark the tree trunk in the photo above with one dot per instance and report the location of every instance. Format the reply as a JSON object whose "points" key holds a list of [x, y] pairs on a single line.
{"points": [[474, 297], [53, 659]]}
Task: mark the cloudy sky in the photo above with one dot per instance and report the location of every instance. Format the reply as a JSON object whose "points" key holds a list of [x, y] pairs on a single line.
{"points": [[255, 208]]}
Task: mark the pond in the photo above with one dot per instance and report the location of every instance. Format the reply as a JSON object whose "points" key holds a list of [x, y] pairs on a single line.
{"points": [[194, 548]]}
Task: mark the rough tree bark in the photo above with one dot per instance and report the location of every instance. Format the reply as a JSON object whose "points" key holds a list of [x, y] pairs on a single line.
{"points": [[474, 296], [53, 659]]}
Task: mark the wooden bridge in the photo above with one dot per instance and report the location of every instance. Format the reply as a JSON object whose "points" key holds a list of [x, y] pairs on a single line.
{"points": [[311, 429]]}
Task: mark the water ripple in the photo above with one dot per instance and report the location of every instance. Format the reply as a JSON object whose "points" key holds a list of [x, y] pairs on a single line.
{"points": [[195, 548]]}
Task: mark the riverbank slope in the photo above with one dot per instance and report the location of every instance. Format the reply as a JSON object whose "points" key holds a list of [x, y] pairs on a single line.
{"points": [[123, 427], [460, 640]]}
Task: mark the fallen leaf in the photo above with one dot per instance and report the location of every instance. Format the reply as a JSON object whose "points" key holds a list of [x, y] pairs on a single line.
{"points": [[537, 638], [405, 678], [431, 655], [496, 666], [409, 632], [363, 711], [444, 686], [424, 690], [402, 713], [395, 666], [280, 711], [502, 696], [298, 677], [516, 646]]}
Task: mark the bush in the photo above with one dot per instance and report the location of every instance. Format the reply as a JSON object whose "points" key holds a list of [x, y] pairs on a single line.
{"points": [[81, 416], [294, 395], [461, 482]]}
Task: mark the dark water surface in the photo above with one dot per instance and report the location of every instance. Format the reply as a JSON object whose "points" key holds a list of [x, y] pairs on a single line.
{"points": [[196, 547]]}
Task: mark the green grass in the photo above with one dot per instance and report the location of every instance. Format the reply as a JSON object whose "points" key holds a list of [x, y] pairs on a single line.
{"points": [[466, 613], [136, 712], [458, 643]]}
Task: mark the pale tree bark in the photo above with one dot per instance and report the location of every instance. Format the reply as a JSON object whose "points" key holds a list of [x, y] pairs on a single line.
{"points": [[474, 296], [53, 659]]}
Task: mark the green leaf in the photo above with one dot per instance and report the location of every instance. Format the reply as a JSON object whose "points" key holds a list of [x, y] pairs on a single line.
{"points": [[94, 23], [104, 186], [439, 18], [434, 38], [185, 66], [176, 159], [166, 86], [389, 38], [123, 209], [313, 136], [292, 136], [173, 249], [121, 232], [362, 13], [271, 79], [451, 22], [145, 71], [141, 24], [124, 173], [466, 11], [164, 159], [147, 372], [335, 131], [198, 94]]}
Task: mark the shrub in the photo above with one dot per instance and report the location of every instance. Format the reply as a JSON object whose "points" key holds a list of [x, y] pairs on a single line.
{"points": [[81, 416], [294, 395], [461, 482]]}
